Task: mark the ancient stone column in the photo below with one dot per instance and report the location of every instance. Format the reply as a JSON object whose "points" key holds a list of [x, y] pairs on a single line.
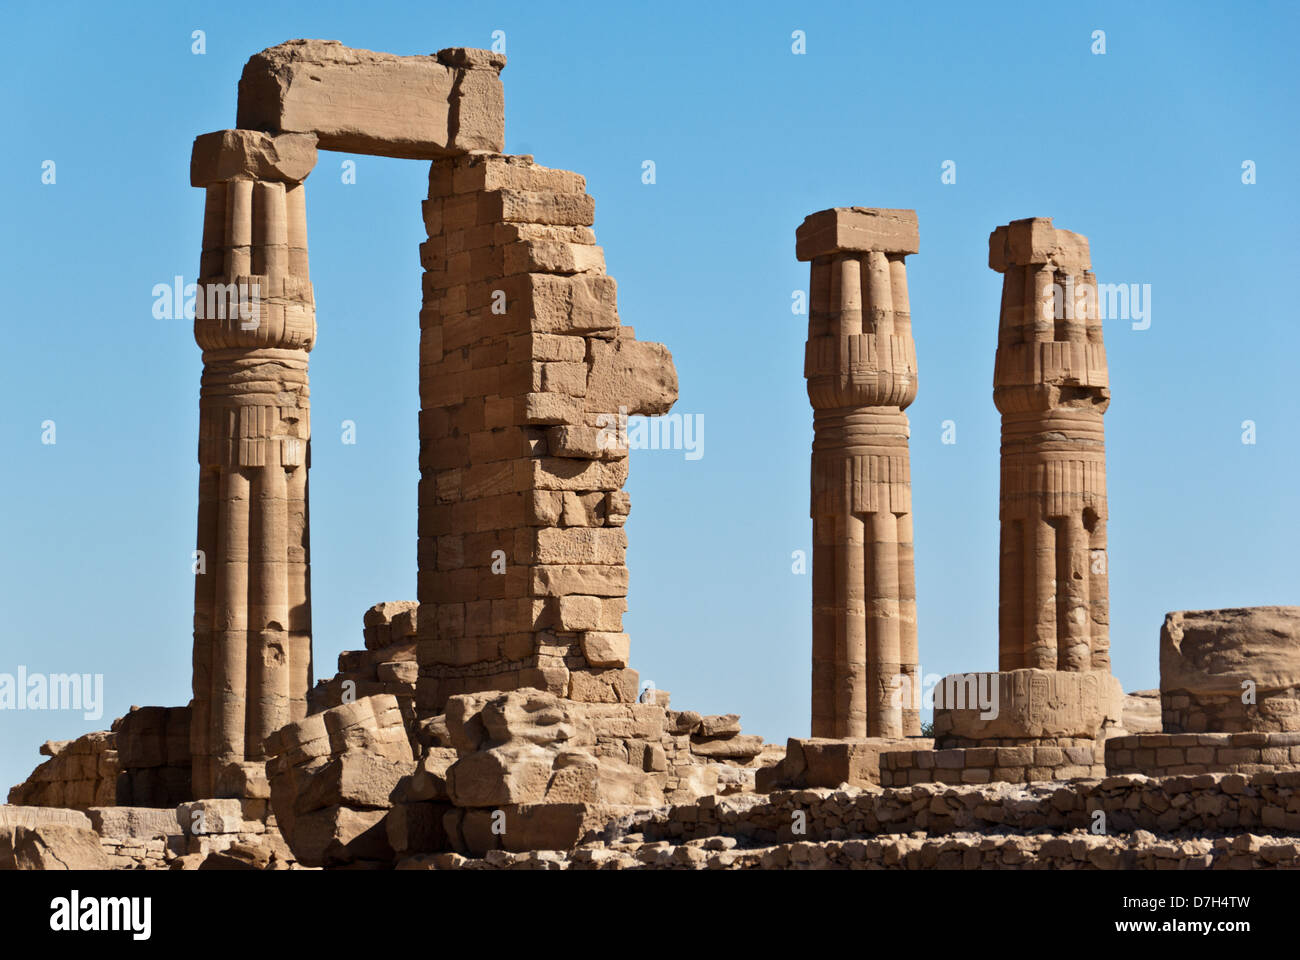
{"points": [[861, 369], [255, 320], [1051, 386]]}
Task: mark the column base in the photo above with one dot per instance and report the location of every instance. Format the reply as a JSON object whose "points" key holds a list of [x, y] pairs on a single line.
{"points": [[1026, 705]]}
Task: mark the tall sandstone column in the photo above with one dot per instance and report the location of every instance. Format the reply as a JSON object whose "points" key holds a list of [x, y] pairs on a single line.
{"points": [[255, 320], [1051, 386], [860, 364]]}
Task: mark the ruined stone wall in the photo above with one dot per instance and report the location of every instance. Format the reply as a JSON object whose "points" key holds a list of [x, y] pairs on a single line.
{"points": [[153, 748], [1059, 758], [386, 665], [1165, 754], [524, 370], [1078, 850], [1231, 670], [79, 774], [1192, 804]]}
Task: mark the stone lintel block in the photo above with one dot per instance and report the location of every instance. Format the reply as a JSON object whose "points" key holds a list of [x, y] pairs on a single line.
{"points": [[362, 101], [856, 230], [251, 155], [1027, 704], [1034, 240]]}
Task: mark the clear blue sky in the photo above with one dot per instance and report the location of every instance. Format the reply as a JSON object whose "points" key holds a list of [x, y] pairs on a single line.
{"points": [[1140, 149]]}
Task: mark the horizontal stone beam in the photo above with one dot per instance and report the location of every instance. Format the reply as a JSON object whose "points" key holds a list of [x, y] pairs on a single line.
{"points": [[1034, 241], [360, 101], [856, 230]]}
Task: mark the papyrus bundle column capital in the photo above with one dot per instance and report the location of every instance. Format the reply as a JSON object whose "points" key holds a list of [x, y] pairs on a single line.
{"points": [[255, 288], [1050, 352], [860, 364], [860, 349]]}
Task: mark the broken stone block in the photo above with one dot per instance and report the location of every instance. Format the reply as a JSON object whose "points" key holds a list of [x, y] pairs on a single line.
{"points": [[742, 747], [355, 779], [631, 376], [51, 846], [510, 773], [339, 835], [202, 817], [719, 726], [416, 828], [251, 155], [429, 782], [1231, 670]]}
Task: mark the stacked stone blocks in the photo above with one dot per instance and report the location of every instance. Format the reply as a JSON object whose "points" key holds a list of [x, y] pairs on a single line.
{"points": [[525, 372]]}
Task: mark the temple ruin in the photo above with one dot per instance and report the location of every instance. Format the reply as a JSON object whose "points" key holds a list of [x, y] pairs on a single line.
{"points": [[495, 720]]}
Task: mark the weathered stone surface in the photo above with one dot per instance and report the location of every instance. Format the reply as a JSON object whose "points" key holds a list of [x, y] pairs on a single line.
{"points": [[335, 775], [823, 762], [142, 823], [51, 846], [719, 725], [341, 835], [79, 774], [1142, 712], [735, 747], [530, 747], [1035, 241], [15, 815], [210, 816], [429, 782], [632, 376], [510, 773], [857, 230], [1029, 704], [417, 828], [153, 750], [355, 779], [606, 649], [361, 101], [527, 378], [1231, 670], [251, 155]]}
